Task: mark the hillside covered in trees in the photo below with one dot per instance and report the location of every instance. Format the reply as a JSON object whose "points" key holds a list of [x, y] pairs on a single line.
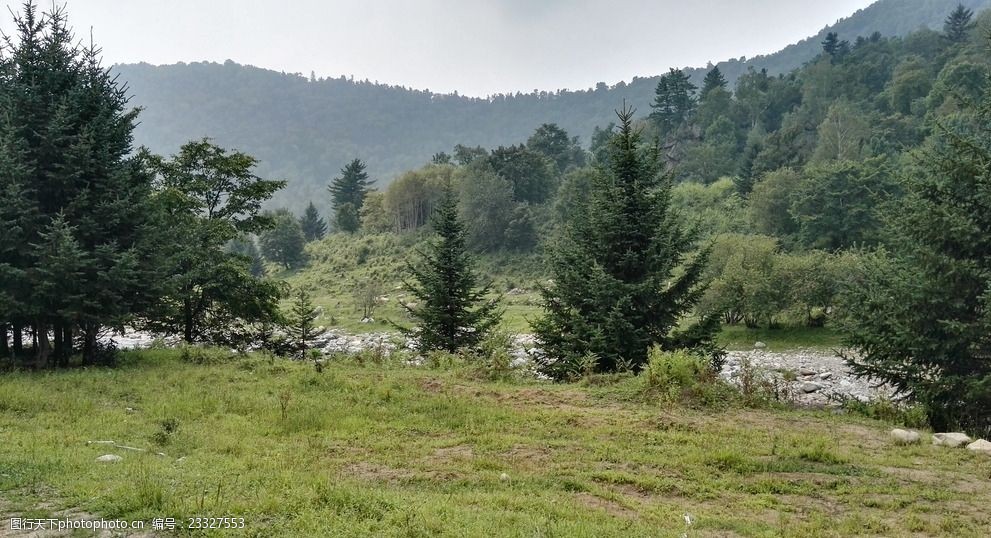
{"points": [[304, 130]]}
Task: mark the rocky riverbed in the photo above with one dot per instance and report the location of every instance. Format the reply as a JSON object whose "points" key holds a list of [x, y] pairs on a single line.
{"points": [[808, 377]]}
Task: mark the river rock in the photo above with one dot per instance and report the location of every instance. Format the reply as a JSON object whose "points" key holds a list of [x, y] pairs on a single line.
{"points": [[109, 458], [760, 345], [951, 440], [809, 388]]}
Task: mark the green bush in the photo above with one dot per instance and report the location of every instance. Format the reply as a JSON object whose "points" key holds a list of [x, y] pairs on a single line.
{"points": [[684, 377]]}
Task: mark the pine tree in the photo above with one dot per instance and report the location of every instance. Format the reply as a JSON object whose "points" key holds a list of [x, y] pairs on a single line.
{"points": [[67, 134], [919, 317], [674, 101], [452, 311], [713, 79], [348, 195], [831, 44], [958, 24], [624, 272], [312, 224], [301, 325]]}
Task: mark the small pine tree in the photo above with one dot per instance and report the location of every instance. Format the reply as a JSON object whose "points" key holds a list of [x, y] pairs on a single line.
{"points": [[302, 326], [348, 195], [312, 224], [624, 272], [452, 311], [958, 24]]}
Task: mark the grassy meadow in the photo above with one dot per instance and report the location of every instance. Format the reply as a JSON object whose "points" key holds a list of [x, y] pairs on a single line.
{"points": [[373, 447]]}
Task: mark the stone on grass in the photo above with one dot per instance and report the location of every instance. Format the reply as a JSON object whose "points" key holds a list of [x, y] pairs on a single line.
{"points": [[981, 446], [951, 440], [503, 477], [760, 345], [109, 458], [905, 437]]}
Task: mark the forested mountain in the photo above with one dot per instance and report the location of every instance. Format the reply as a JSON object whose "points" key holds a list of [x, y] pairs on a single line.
{"points": [[304, 130]]}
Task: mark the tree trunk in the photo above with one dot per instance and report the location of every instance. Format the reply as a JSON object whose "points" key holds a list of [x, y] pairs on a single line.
{"points": [[43, 348], [187, 331], [89, 344], [4, 345], [18, 339], [59, 351], [67, 337]]}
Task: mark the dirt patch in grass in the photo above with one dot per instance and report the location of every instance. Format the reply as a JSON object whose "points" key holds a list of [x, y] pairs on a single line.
{"points": [[372, 472], [528, 456], [7, 511], [598, 503], [455, 453]]}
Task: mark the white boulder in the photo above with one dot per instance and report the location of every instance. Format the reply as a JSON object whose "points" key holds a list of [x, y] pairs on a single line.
{"points": [[905, 437], [109, 458], [981, 446], [952, 440]]}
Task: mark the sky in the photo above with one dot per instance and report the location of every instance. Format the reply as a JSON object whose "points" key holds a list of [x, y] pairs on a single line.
{"points": [[475, 47]]}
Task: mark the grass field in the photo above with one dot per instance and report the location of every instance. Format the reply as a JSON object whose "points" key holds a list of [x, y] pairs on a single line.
{"points": [[389, 450]]}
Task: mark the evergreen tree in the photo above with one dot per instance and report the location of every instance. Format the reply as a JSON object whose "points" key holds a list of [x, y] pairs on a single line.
{"points": [[624, 273], [919, 317], [68, 162], [554, 143], [831, 44], [452, 312], [958, 24], [713, 79], [301, 324], [348, 195], [312, 224], [674, 101], [284, 243], [209, 196]]}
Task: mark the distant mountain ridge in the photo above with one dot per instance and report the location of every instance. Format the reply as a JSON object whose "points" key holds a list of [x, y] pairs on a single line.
{"points": [[305, 130]]}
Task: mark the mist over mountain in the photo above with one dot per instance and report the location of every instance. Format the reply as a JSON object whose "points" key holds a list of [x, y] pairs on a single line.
{"points": [[305, 129]]}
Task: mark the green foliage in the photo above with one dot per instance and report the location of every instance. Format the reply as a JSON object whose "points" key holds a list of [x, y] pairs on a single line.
{"points": [[684, 377], [348, 193], [301, 323], [531, 174], [208, 197], [674, 102], [554, 143], [284, 242], [958, 24], [624, 270], [452, 313], [312, 224], [78, 251], [835, 204], [918, 316]]}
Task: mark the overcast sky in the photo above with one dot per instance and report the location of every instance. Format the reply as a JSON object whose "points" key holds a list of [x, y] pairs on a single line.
{"points": [[476, 47]]}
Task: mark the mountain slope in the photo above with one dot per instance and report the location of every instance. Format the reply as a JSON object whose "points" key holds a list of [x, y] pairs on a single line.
{"points": [[304, 130]]}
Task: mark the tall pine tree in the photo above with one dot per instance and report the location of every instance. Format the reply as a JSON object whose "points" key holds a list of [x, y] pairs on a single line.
{"points": [[919, 318], [452, 312], [958, 24], [713, 80], [625, 271], [348, 195]]}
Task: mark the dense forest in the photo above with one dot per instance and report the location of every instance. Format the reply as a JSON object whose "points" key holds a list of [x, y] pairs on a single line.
{"points": [[303, 130]]}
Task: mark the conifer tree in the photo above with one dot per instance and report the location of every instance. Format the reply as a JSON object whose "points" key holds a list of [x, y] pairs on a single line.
{"points": [[312, 224], [348, 195], [714, 79], [919, 316], [625, 272], [958, 24], [301, 325], [674, 101], [452, 312], [67, 134]]}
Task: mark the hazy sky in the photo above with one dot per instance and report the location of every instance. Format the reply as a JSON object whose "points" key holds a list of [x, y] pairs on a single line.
{"points": [[473, 46]]}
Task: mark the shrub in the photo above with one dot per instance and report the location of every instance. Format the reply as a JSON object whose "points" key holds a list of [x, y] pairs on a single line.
{"points": [[683, 377]]}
